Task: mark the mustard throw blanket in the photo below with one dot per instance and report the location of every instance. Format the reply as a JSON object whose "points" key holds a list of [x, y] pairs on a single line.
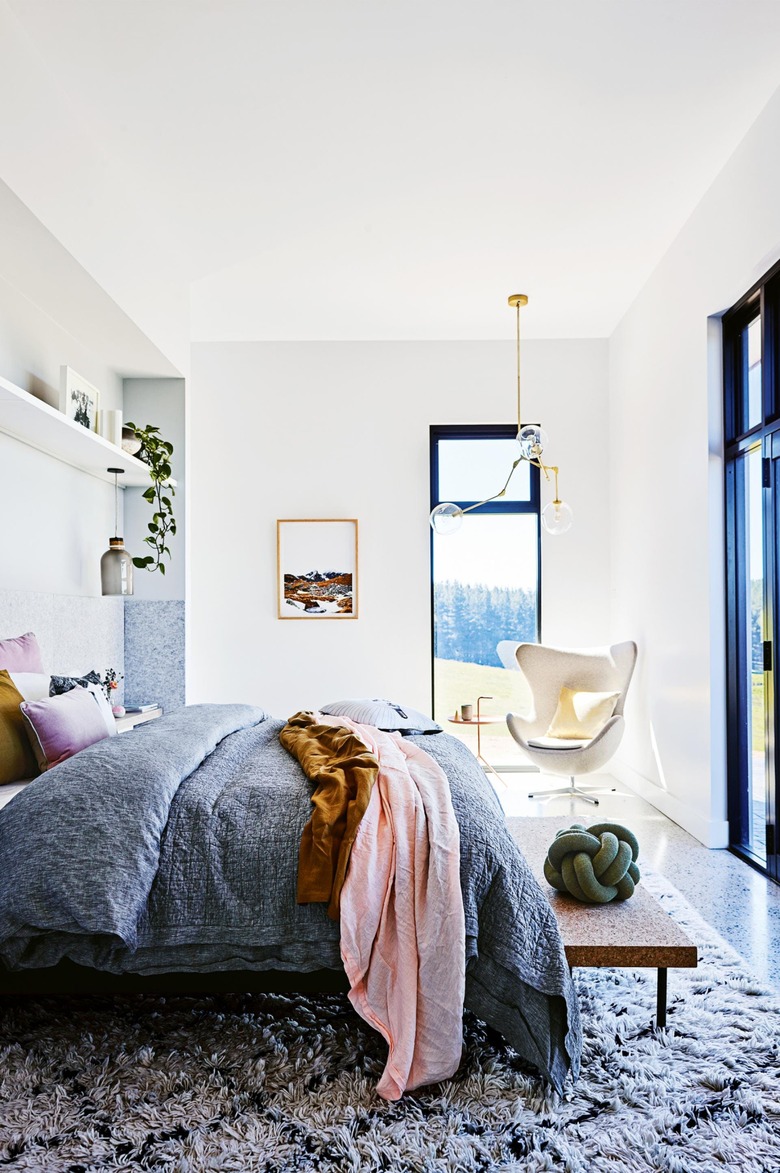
{"points": [[344, 772]]}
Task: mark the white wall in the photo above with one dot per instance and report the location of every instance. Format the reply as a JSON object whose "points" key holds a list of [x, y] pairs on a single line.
{"points": [[667, 502], [159, 402], [341, 430], [55, 521]]}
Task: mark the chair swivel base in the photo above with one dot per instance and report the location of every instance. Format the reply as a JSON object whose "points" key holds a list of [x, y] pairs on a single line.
{"points": [[572, 791]]}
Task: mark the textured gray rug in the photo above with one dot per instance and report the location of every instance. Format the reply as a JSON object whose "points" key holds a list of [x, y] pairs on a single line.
{"points": [[278, 1084]]}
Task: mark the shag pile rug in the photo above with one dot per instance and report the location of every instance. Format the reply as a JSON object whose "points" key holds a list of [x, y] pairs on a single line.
{"points": [[278, 1084]]}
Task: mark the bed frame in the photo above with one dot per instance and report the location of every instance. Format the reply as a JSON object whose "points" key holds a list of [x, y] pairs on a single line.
{"points": [[67, 978]]}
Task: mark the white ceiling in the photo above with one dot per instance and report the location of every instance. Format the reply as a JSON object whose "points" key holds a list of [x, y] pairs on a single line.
{"points": [[362, 169]]}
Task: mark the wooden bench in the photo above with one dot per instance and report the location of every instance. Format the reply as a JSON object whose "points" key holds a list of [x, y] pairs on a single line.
{"points": [[634, 933]]}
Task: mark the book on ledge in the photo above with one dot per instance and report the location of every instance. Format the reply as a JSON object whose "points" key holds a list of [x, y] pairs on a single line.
{"points": [[140, 708]]}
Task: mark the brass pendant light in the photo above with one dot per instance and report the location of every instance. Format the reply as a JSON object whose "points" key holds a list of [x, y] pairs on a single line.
{"points": [[557, 516]]}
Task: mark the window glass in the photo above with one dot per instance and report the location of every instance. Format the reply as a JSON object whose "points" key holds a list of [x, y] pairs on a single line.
{"points": [[751, 375], [485, 589], [751, 533], [473, 470]]}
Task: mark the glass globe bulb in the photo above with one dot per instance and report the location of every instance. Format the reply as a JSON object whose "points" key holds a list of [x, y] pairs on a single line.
{"points": [[557, 517], [446, 518], [532, 440]]}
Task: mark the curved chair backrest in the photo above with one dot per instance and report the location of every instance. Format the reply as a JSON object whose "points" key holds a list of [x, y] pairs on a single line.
{"points": [[547, 670]]}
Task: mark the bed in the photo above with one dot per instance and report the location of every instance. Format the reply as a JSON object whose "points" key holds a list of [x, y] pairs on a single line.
{"points": [[166, 858]]}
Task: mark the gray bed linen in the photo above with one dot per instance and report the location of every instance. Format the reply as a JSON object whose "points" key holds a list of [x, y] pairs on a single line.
{"points": [[175, 847]]}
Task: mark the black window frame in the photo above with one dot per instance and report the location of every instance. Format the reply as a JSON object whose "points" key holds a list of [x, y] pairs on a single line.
{"points": [[762, 299], [531, 506]]}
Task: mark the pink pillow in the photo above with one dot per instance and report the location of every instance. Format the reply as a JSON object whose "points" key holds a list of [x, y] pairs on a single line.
{"points": [[60, 726], [21, 654]]}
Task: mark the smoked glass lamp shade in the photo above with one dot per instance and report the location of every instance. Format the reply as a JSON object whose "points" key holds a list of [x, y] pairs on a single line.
{"points": [[116, 569]]}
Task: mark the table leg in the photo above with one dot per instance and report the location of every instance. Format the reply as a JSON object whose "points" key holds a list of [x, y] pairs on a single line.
{"points": [[660, 1003], [487, 766]]}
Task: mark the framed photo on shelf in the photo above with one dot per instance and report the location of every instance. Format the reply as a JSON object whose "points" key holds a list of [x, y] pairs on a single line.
{"points": [[79, 400], [317, 568]]}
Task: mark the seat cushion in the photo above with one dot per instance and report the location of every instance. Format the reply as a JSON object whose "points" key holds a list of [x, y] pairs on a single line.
{"points": [[566, 743]]}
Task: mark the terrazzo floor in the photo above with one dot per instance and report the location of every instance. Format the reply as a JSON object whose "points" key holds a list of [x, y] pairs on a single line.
{"points": [[740, 904]]}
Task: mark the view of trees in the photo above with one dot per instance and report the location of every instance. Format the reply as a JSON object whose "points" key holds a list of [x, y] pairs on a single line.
{"points": [[756, 614], [471, 619]]}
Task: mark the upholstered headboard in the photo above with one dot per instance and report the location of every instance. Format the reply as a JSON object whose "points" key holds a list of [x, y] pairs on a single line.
{"points": [[76, 633]]}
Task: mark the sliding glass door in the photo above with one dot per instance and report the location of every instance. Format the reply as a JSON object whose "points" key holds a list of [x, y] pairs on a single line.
{"points": [[753, 572]]}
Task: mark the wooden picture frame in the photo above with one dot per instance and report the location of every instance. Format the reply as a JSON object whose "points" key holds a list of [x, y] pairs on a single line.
{"points": [[79, 400], [317, 568]]}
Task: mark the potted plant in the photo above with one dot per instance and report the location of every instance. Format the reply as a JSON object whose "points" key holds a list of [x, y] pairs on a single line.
{"points": [[156, 452]]}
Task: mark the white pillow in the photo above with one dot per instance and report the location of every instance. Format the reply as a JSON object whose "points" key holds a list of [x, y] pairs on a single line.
{"points": [[34, 686], [104, 706], [382, 714]]}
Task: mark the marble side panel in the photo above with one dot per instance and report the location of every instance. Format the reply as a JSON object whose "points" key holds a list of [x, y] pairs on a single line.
{"points": [[76, 632], [154, 652]]}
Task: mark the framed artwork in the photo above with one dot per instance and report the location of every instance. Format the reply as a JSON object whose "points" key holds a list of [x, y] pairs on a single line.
{"points": [[79, 400], [316, 568]]}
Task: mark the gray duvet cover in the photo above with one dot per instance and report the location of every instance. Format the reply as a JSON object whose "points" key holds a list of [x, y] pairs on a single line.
{"points": [[174, 847]]}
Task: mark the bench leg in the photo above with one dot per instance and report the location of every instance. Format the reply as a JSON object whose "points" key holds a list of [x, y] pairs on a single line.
{"points": [[660, 1003]]}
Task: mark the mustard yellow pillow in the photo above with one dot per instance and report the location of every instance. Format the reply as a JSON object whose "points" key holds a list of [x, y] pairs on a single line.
{"points": [[17, 761], [581, 714]]}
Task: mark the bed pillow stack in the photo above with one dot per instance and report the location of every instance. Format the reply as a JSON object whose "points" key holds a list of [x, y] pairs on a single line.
{"points": [[37, 730], [20, 656]]}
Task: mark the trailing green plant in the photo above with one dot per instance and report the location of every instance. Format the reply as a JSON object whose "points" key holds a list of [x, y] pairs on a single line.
{"points": [[157, 453]]}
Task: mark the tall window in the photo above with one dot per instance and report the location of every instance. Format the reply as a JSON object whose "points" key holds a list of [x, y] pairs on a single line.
{"points": [[485, 579], [752, 423]]}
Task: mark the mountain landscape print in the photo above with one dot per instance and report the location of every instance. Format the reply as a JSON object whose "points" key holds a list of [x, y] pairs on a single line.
{"points": [[320, 592], [317, 568]]}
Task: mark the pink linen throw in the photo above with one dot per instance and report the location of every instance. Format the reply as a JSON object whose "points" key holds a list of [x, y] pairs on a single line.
{"points": [[403, 936]]}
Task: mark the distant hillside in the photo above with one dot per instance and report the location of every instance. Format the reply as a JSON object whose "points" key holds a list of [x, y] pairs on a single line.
{"points": [[470, 620]]}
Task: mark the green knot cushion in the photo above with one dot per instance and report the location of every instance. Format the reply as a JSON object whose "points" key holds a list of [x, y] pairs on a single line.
{"points": [[594, 864]]}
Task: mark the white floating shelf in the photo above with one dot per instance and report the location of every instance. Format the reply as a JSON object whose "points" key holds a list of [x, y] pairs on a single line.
{"points": [[43, 427]]}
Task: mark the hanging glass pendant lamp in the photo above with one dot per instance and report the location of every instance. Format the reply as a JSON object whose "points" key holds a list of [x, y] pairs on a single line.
{"points": [[116, 565], [557, 516]]}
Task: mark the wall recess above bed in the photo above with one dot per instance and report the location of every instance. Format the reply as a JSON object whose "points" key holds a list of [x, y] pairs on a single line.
{"points": [[43, 427]]}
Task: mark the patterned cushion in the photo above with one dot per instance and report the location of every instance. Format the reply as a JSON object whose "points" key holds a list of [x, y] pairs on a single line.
{"points": [[61, 684]]}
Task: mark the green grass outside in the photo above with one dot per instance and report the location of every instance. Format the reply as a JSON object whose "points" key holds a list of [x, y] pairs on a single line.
{"points": [[758, 712], [456, 684]]}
